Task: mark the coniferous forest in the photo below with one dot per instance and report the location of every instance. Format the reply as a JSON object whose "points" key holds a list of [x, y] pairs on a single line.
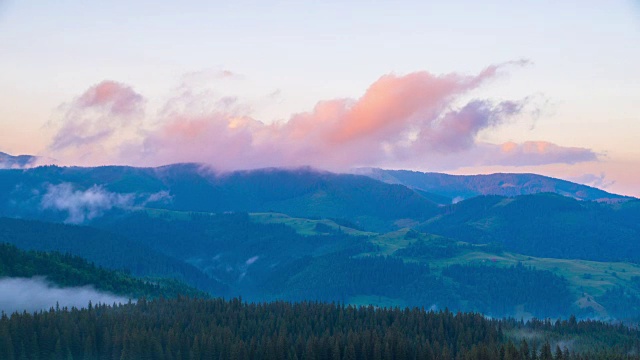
{"points": [[186, 328]]}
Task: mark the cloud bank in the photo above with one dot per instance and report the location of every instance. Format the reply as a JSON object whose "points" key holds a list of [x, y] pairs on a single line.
{"points": [[35, 294], [81, 205], [413, 120]]}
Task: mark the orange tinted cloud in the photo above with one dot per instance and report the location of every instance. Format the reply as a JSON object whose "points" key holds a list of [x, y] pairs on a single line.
{"points": [[401, 119]]}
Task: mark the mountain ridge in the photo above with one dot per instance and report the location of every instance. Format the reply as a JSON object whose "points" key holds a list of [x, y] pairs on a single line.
{"points": [[8, 161], [459, 187]]}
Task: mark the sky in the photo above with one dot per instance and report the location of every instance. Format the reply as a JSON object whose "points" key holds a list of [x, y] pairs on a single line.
{"points": [[464, 87]]}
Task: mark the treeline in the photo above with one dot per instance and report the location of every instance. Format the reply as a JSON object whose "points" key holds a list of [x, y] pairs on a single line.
{"points": [[339, 277], [498, 290], [621, 303], [67, 270], [218, 329]]}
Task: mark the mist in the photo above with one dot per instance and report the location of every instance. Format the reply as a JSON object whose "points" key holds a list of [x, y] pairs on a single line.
{"points": [[34, 294]]}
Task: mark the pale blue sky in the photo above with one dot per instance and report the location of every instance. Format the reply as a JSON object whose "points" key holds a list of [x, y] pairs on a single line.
{"points": [[583, 72]]}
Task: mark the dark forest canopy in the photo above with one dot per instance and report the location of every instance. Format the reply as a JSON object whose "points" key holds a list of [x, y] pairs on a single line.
{"points": [[186, 328]]}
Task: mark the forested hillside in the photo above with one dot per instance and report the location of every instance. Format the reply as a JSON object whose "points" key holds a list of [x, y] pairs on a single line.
{"points": [[546, 225], [72, 271], [104, 249]]}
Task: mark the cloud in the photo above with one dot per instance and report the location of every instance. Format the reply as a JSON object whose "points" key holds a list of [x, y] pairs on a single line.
{"points": [[457, 130], [35, 294], [251, 260], [116, 98], [83, 205], [336, 134], [539, 153], [598, 181], [160, 196], [106, 111], [528, 153], [418, 119]]}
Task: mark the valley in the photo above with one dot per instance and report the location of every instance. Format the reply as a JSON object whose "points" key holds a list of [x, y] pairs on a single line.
{"points": [[301, 234]]}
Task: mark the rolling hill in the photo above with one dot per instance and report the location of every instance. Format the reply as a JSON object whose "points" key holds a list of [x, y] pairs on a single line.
{"points": [[545, 225]]}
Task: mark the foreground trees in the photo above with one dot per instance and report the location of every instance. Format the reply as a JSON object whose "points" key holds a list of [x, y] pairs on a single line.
{"points": [[218, 329]]}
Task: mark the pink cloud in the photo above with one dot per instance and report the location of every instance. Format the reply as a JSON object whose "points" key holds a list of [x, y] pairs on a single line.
{"points": [[412, 119], [336, 134], [509, 154], [118, 99], [96, 116]]}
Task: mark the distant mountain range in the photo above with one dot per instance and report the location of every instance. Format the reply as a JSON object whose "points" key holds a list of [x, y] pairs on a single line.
{"points": [[192, 187], [439, 188], [526, 213], [447, 189], [16, 162]]}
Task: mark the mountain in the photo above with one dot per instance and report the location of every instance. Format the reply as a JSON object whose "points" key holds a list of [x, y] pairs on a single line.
{"points": [[447, 189], [546, 225], [16, 162], [190, 187]]}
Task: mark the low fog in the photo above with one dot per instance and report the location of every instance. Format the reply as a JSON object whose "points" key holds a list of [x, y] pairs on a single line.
{"points": [[34, 294]]}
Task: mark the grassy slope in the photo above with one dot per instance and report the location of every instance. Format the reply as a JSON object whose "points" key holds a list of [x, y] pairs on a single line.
{"points": [[304, 226], [586, 278]]}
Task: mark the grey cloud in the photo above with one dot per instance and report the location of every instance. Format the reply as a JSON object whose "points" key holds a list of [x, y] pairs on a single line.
{"points": [[531, 153], [457, 130], [83, 205]]}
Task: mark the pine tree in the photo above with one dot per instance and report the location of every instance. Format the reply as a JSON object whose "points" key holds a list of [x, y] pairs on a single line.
{"points": [[558, 353], [524, 350], [545, 353], [349, 352]]}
